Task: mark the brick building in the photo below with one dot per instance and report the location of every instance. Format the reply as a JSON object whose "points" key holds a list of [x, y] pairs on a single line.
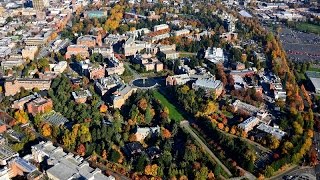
{"points": [[77, 49], [13, 86], [97, 72], [90, 41], [39, 105], [86, 40]]}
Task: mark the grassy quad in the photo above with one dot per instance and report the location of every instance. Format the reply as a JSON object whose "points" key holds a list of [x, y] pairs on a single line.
{"points": [[174, 114]]}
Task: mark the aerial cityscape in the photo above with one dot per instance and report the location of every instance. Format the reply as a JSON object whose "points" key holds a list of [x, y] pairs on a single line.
{"points": [[159, 89]]}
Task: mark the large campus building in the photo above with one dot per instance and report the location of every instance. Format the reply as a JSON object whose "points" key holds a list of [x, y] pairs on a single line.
{"points": [[65, 166], [13, 86]]}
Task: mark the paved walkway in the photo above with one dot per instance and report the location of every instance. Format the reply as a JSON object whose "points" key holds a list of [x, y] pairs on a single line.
{"points": [[185, 125]]}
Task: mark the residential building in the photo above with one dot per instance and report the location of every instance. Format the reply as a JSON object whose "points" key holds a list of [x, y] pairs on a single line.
{"points": [[13, 86], [77, 50], [81, 96], [249, 123], [39, 105], [103, 85], [29, 52], [121, 95], [214, 55], [209, 85], [65, 166], [274, 131]]}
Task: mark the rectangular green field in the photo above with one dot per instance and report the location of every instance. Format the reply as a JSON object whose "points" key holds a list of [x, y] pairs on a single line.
{"points": [[174, 113], [307, 27]]}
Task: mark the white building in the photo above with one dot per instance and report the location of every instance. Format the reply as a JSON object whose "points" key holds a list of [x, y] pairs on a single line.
{"points": [[274, 131], [65, 166], [160, 27], [249, 124], [60, 67], [142, 133], [182, 32], [214, 55], [107, 83]]}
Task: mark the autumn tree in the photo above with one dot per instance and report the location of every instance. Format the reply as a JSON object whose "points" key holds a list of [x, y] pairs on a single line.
{"points": [[103, 108], [114, 19], [81, 150], [151, 170], [273, 142], [286, 147], [143, 104], [165, 133], [46, 130], [297, 128], [21, 116]]}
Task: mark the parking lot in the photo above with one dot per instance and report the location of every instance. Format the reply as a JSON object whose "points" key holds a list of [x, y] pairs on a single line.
{"points": [[300, 46]]}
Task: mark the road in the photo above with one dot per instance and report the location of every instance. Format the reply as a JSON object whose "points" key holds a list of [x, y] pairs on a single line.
{"points": [[134, 73], [294, 171], [185, 125]]}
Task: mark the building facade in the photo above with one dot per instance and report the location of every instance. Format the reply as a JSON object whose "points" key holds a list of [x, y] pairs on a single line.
{"points": [[13, 86]]}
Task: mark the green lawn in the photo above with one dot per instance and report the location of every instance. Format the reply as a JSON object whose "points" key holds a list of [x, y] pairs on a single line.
{"points": [[307, 27], [174, 114], [316, 69]]}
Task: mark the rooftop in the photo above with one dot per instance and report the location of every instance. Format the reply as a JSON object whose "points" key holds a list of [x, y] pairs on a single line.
{"points": [[67, 166], [6, 153], [55, 118], [208, 83], [278, 133]]}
